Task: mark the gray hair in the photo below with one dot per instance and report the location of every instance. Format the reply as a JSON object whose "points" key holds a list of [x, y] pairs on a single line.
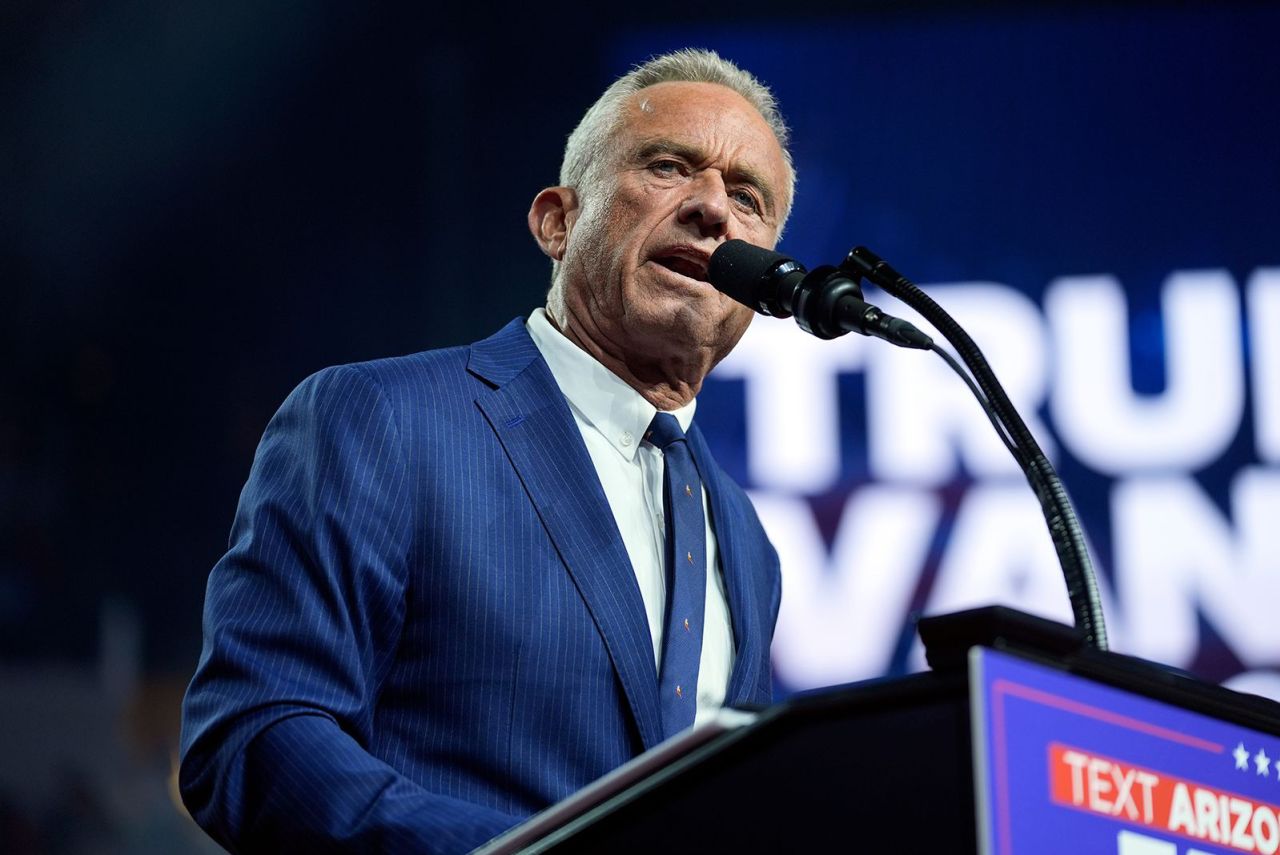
{"points": [[587, 150]]}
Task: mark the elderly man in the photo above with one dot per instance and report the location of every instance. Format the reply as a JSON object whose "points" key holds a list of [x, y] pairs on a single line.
{"points": [[465, 583]]}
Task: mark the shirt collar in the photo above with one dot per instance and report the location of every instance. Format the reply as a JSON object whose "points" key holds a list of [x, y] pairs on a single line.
{"points": [[595, 393]]}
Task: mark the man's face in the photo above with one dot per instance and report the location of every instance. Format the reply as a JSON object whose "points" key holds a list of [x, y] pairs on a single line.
{"points": [[691, 165]]}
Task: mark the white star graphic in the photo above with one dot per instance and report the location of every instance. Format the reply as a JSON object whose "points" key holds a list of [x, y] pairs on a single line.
{"points": [[1242, 758], [1262, 762]]}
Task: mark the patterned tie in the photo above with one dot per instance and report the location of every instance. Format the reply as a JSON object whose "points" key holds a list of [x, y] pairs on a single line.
{"points": [[686, 562]]}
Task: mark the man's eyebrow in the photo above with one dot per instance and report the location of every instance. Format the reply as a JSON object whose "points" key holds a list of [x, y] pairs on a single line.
{"points": [[651, 147], [740, 174]]}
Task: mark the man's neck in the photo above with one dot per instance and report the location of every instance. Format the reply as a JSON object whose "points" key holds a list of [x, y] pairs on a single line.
{"points": [[659, 384]]}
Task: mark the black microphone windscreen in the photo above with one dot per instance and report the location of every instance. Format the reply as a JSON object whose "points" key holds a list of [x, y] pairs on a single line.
{"points": [[741, 269]]}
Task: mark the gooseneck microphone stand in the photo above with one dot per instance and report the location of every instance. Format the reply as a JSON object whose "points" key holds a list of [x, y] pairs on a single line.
{"points": [[827, 302], [1060, 517]]}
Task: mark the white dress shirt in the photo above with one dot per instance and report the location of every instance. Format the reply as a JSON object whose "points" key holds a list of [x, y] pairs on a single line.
{"points": [[613, 418]]}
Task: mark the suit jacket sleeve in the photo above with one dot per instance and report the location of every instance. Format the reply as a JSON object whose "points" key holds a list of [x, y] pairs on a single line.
{"points": [[302, 619]]}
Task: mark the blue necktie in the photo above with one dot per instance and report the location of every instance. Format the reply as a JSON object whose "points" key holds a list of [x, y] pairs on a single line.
{"points": [[686, 567]]}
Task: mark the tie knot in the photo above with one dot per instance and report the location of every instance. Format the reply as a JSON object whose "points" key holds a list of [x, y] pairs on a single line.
{"points": [[664, 430]]}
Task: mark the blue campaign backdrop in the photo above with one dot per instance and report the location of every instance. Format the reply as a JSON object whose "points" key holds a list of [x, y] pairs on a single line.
{"points": [[1013, 148]]}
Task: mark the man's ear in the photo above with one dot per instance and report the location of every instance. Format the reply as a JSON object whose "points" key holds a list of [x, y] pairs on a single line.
{"points": [[551, 217]]}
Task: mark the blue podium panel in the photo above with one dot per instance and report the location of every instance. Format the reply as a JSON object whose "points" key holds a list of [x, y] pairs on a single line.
{"points": [[1066, 765]]}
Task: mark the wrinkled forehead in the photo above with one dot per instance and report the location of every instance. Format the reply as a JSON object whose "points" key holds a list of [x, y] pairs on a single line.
{"points": [[704, 116], [714, 112]]}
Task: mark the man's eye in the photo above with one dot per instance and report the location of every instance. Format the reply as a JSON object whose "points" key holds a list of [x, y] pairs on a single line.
{"points": [[746, 199], [665, 168]]}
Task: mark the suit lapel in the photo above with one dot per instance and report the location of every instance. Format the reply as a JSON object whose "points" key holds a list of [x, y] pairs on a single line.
{"points": [[531, 419], [736, 562]]}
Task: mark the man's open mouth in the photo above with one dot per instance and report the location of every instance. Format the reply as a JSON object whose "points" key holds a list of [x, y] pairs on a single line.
{"points": [[684, 266]]}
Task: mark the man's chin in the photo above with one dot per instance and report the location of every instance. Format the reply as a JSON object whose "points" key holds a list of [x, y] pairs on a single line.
{"points": [[686, 331]]}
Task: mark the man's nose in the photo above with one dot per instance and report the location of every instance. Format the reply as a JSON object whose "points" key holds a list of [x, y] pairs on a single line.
{"points": [[707, 205]]}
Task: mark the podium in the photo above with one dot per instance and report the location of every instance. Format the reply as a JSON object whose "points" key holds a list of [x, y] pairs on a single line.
{"points": [[1018, 740]]}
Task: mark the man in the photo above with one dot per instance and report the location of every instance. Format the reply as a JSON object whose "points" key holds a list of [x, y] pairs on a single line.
{"points": [[447, 602]]}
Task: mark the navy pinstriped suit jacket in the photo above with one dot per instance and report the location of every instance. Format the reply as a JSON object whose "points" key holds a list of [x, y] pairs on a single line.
{"points": [[427, 627]]}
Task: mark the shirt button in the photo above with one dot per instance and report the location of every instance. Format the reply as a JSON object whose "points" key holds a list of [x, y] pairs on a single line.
{"points": [[626, 439]]}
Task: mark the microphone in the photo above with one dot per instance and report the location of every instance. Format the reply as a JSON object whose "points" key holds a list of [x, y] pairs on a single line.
{"points": [[826, 302]]}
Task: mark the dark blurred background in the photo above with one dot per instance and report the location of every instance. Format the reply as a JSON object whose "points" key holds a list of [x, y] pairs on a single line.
{"points": [[201, 204]]}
